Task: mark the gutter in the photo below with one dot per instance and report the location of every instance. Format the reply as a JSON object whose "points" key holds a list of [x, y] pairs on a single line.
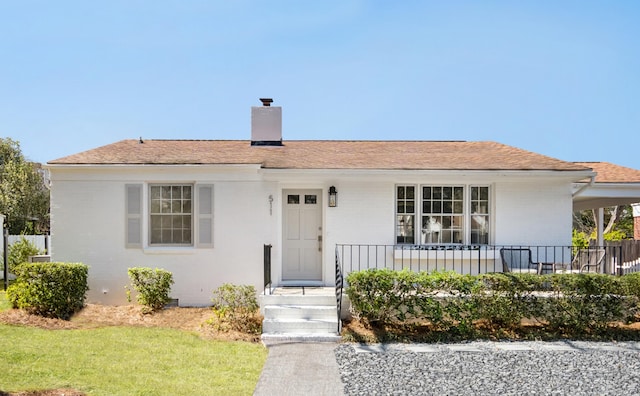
{"points": [[584, 187]]}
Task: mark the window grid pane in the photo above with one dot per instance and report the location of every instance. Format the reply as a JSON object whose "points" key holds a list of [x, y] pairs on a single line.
{"points": [[171, 215], [405, 214], [443, 214], [480, 215]]}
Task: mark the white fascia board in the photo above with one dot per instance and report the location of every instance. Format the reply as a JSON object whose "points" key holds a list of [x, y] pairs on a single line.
{"points": [[151, 168], [217, 167], [145, 172], [519, 175], [610, 190]]}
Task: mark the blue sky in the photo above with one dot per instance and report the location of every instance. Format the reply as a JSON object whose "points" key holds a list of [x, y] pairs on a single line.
{"points": [[561, 78]]}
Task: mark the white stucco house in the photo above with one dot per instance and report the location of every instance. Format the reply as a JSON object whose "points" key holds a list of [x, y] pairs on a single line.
{"points": [[204, 209]]}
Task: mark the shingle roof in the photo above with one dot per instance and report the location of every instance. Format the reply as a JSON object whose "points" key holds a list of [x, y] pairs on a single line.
{"points": [[611, 173], [324, 154]]}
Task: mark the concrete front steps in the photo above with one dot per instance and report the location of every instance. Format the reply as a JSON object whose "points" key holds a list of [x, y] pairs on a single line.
{"points": [[299, 314]]}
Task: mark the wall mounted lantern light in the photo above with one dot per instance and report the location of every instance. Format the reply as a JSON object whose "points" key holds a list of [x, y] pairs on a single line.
{"points": [[333, 197]]}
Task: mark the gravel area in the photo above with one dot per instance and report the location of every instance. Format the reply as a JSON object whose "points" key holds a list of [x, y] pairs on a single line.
{"points": [[491, 368]]}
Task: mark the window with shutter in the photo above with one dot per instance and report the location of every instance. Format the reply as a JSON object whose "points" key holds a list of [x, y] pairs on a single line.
{"points": [[175, 215]]}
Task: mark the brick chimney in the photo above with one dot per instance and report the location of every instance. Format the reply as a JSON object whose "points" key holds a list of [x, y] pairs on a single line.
{"points": [[266, 124], [636, 221]]}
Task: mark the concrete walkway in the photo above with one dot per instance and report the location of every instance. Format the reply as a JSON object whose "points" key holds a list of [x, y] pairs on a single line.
{"points": [[300, 369]]}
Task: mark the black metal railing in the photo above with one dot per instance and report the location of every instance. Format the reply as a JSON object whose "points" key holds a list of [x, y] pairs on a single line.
{"points": [[339, 285], [267, 268], [479, 259]]}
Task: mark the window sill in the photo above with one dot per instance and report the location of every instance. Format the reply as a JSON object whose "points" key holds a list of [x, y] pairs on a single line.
{"points": [[179, 250], [444, 251]]}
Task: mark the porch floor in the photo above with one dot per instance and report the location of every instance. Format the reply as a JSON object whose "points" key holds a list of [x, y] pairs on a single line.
{"points": [[302, 291]]}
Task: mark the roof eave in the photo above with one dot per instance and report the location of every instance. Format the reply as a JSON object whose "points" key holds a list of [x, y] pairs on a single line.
{"points": [[146, 166]]}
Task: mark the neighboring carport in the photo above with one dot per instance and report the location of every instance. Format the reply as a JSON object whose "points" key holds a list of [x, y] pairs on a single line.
{"points": [[613, 185]]}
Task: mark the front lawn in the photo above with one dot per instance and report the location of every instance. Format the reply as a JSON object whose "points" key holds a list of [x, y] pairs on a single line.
{"points": [[124, 360]]}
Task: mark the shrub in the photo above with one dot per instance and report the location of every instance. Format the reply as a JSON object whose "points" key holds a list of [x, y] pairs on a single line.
{"points": [[587, 302], [571, 303], [20, 251], [631, 284], [236, 308], [55, 290], [376, 295], [446, 299], [579, 239], [615, 235], [513, 297], [153, 286]]}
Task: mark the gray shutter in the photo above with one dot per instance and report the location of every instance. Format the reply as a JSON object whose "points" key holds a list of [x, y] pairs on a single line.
{"points": [[133, 206], [204, 216]]}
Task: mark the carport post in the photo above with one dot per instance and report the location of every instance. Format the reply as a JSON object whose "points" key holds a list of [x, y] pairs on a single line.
{"points": [[600, 225]]}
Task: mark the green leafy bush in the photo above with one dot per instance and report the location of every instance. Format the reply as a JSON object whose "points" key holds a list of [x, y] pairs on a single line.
{"points": [[580, 239], [572, 303], [615, 235], [55, 290], [587, 302], [631, 284], [511, 297], [446, 299], [20, 251], [153, 286], [236, 308]]}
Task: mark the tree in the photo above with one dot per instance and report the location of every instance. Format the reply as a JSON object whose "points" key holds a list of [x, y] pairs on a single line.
{"points": [[24, 192], [618, 223]]}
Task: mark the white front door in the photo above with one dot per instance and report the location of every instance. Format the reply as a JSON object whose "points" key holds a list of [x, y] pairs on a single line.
{"points": [[302, 235]]}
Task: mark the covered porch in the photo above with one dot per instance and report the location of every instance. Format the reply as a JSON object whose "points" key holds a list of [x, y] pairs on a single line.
{"points": [[482, 259], [613, 185]]}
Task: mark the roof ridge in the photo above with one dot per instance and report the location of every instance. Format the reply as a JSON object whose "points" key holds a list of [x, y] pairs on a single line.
{"points": [[316, 140]]}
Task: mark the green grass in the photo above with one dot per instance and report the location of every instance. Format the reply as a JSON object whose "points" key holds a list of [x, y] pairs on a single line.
{"points": [[126, 361]]}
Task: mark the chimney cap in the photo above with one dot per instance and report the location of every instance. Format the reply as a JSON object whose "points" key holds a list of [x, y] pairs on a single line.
{"points": [[266, 101]]}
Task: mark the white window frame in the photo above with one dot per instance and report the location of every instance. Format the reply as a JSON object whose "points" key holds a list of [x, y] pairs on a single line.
{"points": [[401, 224], [466, 214], [150, 214], [475, 216]]}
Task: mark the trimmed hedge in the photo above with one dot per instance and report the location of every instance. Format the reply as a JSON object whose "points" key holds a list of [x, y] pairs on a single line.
{"points": [[573, 303], [55, 290], [153, 286]]}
